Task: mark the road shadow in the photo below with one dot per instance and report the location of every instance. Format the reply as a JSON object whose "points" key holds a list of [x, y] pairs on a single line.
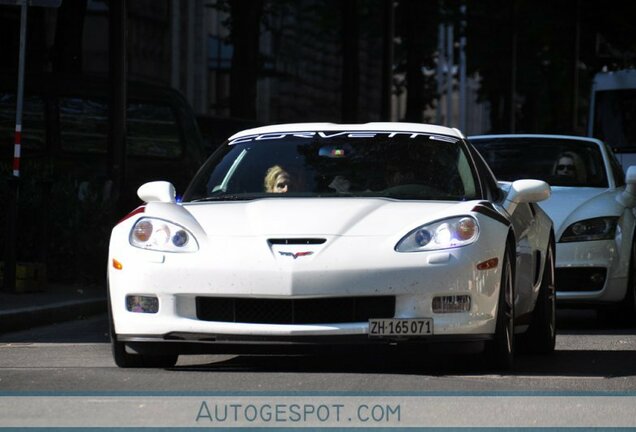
{"points": [[577, 358], [591, 321], [90, 329], [602, 364], [577, 361]]}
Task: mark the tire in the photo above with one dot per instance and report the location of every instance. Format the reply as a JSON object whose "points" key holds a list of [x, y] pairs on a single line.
{"points": [[500, 352], [125, 359], [121, 357], [541, 335]]}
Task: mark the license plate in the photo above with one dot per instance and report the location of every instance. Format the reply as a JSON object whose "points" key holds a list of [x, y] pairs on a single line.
{"points": [[379, 327]]}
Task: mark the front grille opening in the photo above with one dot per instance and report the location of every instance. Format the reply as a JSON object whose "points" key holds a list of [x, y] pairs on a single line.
{"points": [[580, 278], [297, 241], [295, 311]]}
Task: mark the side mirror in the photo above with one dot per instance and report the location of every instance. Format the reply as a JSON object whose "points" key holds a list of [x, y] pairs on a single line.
{"points": [[161, 191], [628, 197], [526, 191]]}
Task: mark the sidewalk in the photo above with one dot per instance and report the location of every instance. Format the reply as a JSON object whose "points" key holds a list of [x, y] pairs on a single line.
{"points": [[56, 303]]}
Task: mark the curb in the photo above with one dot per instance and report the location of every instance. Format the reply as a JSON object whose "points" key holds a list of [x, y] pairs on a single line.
{"points": [[25, 318]]}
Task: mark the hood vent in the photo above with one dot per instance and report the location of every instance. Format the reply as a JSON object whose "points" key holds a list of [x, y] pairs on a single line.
{"points": [[297, 241]]}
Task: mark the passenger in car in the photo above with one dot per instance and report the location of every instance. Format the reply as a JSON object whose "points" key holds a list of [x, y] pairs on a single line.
{"points": [[340, 184], [277, 180], [570, 164], [398, 175]]}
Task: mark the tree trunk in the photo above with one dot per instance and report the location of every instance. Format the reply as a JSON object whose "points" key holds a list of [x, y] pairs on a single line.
{"points": [[67, 51], [350, 64], [387, 60], [246, 19], [415, 44]]}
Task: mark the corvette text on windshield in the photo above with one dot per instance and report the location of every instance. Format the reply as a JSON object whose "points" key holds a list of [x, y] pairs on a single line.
{"points": [[344, 134]]}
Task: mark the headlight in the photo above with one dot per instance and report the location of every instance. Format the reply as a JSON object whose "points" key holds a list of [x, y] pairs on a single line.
{"points": [[603, 228], [159, 235], [444, 234]]}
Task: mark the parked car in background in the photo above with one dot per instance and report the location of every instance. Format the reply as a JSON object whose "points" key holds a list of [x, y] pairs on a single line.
{"points": [[592, 209], [65, 182], [320, 234]]}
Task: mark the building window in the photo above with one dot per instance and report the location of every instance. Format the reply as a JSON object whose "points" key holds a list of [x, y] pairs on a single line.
{"points": [[33, 123]]}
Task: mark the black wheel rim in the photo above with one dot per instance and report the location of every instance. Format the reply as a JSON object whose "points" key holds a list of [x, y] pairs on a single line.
{"points": [[509, 305], [551, 293]]}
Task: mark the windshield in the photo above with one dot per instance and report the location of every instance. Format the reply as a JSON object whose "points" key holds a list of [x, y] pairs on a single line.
{"points": [[335, 164], [559, 162]]}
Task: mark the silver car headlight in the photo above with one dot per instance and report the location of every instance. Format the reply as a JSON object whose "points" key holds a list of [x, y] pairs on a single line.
{"points": [[160, 235], [602, 228], [443, 234]]}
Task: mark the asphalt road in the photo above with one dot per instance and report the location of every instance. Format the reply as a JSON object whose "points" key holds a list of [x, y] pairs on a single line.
{"points": [[76, 356], [63, 376]]}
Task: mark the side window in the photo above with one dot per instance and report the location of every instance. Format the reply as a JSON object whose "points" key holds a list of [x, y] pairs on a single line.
{"points": [[33, 123], [152, 131], [617, 169], [83, 125]]}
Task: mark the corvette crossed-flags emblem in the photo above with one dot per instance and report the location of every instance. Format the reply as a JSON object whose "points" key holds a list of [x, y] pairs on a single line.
{"points": [[296, 255]]}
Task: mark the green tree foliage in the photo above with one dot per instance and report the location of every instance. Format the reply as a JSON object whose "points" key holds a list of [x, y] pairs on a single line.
{"points": [[245, 34], [416, 34]]}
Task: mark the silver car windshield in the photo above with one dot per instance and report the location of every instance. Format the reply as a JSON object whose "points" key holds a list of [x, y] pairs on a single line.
{"points": [[395, 165], [560, 162]]}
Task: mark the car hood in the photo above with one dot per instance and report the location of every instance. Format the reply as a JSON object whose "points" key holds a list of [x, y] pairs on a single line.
{"points": [[567, 205], [315, 217]]}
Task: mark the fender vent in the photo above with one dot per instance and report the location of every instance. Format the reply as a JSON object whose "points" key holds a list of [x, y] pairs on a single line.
{"points": [[537, 267]]}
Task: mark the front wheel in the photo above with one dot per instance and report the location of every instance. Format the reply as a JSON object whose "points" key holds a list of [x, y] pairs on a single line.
{"points": [[541, 335], [124, 359], [501, 350]]}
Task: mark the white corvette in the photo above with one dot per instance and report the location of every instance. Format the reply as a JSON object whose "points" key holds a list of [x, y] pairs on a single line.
{"points": [[316, 234], [592, 208]]}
